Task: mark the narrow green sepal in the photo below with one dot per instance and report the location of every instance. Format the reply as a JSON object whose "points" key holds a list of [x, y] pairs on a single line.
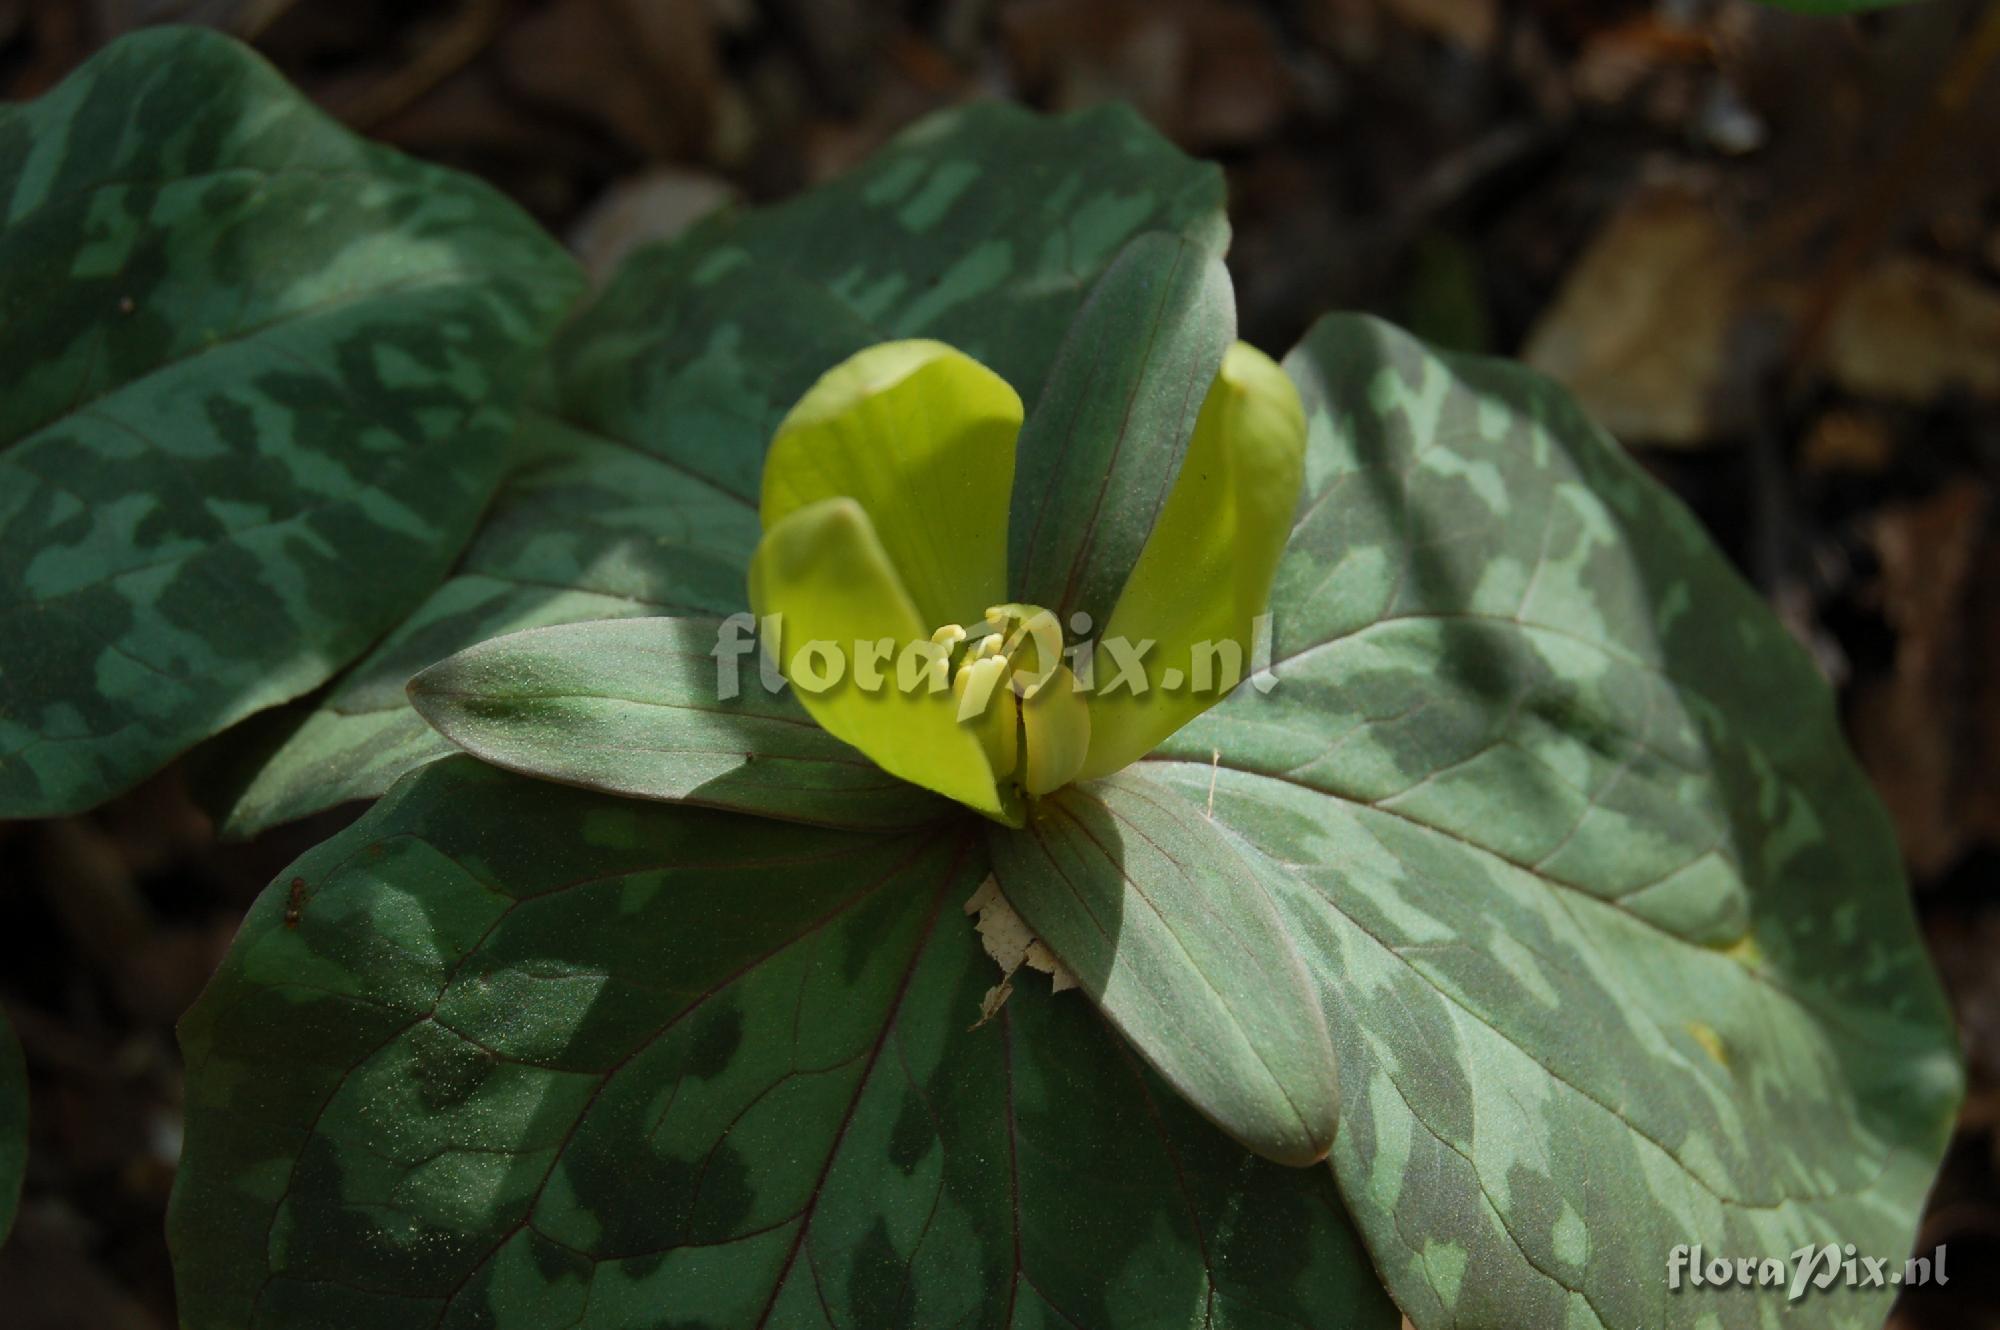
{"points": [[1205, 574]]}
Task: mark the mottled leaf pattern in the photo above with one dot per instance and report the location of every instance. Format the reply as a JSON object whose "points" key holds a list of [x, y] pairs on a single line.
{"points": [[509, 1053], [256, 377], [1174, 935], [13, 1125], [983, 227], [1610, 931], [590, 528], [639, 707]]}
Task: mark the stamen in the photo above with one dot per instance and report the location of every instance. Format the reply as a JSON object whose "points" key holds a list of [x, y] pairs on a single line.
{"points": [[1035, 744]]}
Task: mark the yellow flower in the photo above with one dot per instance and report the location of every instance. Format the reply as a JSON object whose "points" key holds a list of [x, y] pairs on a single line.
{"points": [[881, 577]]}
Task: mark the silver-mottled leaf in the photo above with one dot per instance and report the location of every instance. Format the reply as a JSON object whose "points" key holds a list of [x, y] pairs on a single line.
{"points": [[256, 379]]}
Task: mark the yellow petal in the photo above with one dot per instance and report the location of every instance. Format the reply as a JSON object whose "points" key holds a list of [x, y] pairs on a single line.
{"points": [[1205, 573], [823, 572], [921, 436]]}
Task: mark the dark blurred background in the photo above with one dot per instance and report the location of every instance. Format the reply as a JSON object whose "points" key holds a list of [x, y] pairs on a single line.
{"points": [[1764, 250]]}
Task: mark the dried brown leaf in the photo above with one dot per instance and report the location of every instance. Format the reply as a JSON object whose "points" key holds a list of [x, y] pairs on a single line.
{"points": [[1911, 329], [1665, 327], [1012, 944]]}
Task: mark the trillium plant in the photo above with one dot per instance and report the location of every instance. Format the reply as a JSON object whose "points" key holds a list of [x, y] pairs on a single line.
{"points": [[901, 775]]}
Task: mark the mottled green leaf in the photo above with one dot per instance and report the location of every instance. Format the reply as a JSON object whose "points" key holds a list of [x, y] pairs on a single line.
{"points": [[256, 376], [13, 1125], [646, 707], [1103, 443], [509, 1053], [983, 227], [1174, 935], [1610, 931], [593, 528]]}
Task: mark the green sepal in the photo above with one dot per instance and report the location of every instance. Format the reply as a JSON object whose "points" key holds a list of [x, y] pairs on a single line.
{"points": [[1172, 931], [1104, 440], [667, 708]]}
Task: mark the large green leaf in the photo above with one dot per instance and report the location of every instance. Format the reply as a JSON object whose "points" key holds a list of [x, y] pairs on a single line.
{"points": [[646, 707], [1103, 446], [1174, 935], [13, 1125], [983, 227], [1610, 931], [256, 376], [511, 1054]]}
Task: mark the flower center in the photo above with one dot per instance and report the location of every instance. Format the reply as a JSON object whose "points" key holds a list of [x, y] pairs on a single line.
{"points": [[1014, 691]]}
